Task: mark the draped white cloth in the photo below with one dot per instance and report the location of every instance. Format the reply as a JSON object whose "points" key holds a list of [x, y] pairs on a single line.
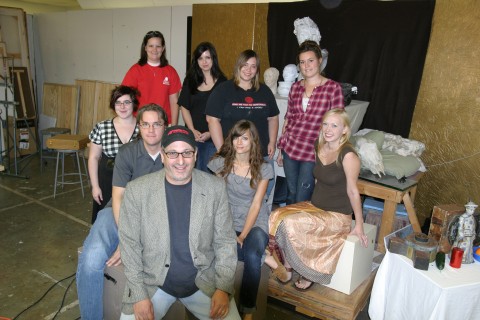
{"points": [[403, 292]]}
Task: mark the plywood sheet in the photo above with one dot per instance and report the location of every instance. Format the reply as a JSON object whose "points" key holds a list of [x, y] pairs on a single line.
{"points": [[60, 101], [14, 34], [23, 93], [102, 99], [94, 101], [87, 105], [237, 27], [233, 31]]}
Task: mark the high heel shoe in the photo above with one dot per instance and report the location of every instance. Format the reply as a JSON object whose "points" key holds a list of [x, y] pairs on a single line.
{"points": [[281, 272]]}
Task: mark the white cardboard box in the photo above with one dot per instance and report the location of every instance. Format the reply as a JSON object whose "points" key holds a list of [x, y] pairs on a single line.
{"points": [[355, 263]]}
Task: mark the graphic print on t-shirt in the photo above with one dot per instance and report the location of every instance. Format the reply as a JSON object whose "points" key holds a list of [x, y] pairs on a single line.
{"points": [[249, 104]]}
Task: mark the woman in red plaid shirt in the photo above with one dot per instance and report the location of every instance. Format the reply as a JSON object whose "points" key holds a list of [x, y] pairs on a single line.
{"points": [[308, 101]]}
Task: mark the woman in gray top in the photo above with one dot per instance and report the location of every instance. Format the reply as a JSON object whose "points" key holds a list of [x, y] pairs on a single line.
{"points": [[241, 163]]}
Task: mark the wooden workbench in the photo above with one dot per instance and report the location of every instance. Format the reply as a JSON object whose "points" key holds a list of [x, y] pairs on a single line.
{"points": [[392, 195]]}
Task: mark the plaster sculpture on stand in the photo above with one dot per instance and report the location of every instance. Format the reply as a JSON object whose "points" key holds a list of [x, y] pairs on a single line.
{"points": [[466, 232], [307, 29], [289, 74], [270, 76]]}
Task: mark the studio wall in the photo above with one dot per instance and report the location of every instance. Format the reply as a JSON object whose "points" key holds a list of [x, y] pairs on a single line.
{"points": [[447, 113], [102, 44]]}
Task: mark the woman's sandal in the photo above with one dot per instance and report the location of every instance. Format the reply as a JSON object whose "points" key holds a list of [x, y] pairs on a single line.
{"points": [[302, 289], [281, 272]]}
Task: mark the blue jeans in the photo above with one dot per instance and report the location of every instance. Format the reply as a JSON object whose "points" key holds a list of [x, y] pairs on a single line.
{"points": [[205, 151], [100, 244], [300, 180], [271, 182], [198, 303], [251, 254]]}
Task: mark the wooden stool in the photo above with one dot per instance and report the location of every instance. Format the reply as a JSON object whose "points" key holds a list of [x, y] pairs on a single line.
{"points": [[68, 144]]}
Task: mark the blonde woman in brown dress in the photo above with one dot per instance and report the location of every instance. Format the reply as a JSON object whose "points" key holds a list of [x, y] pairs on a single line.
{"points": [[311, 235]]}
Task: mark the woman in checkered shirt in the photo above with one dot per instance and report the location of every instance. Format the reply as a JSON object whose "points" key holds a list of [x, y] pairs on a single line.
{"points": [[107, 136], [308, 101]]}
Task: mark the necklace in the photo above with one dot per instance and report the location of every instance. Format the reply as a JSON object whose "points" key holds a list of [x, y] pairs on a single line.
{"points": [[243, 179], [321, 83]]}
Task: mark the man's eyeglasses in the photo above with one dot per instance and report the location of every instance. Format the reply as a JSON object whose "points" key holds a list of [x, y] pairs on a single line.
{"points": [[174, 154], [155, 125], [126, 103]]}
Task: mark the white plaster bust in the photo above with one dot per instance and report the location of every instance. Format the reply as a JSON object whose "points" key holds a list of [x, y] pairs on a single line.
{"points": [[270, 76], [290, 73]]}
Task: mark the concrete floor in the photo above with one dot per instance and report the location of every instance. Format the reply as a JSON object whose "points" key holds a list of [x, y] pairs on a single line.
{"points": [[40, 237]]}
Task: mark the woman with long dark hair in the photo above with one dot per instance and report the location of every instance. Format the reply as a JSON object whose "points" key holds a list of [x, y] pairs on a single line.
{"points": [[202, 78], [240, 162]]}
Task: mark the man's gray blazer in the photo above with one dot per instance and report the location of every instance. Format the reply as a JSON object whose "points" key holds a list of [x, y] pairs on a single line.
{"points": [[145, 236]]}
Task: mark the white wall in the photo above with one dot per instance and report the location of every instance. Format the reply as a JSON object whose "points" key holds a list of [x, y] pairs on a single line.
{"points": [[103, 44]]}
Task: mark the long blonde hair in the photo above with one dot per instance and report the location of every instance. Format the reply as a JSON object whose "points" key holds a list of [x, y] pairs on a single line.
{"points": [[344, 140]]}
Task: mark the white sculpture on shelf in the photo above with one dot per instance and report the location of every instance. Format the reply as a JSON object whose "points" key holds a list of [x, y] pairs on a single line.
{"points": [[307, 29], [370, 157], [289, 74], [270, 76]]}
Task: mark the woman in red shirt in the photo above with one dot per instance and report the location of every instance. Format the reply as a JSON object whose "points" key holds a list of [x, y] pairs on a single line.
{"points": [[154, 78]]}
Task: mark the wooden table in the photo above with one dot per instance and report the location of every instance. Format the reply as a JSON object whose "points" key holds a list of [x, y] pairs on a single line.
{"points": [[393, 193]]}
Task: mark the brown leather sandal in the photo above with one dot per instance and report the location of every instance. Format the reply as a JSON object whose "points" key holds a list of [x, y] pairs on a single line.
{"points": [[281, 272]]}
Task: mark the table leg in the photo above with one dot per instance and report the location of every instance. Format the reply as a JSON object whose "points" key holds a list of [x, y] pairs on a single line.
{"points": [[413, 192], [388, 217], [412, 215]]}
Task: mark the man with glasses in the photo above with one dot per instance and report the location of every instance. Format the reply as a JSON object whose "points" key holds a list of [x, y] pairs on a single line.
{"points": [[177, 238], [100, 248]]}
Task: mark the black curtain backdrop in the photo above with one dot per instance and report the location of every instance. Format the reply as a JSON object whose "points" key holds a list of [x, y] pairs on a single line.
{"points": [[378, 46]]}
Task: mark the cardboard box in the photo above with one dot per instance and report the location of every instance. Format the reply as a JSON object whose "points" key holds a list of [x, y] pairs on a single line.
{"points": [[355, 263], [442, 215], [375, 217], [68, 142], [26, 137], [373, 204]]}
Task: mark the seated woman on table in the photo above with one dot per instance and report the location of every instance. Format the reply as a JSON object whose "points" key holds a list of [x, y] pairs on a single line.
{"points": [[240, 162], [311, 235]]}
